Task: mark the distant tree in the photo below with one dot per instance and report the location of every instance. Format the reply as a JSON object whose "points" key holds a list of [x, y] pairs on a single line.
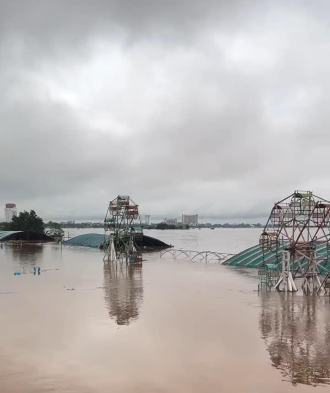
{"points": [[54, 229], [162, 225], [26, 221]]}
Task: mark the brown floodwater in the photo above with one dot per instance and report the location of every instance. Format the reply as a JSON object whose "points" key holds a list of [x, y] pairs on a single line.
{"points": [[170, 326]]}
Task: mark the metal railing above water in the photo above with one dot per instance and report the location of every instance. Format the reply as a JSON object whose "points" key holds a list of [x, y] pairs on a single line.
{"points": [[205, 256]]}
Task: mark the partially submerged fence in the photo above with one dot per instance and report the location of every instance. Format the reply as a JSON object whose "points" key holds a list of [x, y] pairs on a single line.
{"points": [[205, 256]]}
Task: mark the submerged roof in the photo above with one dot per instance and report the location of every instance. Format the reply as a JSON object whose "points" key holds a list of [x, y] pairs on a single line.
{"points": [[253, 257], [92, 240], [6, 234], [26, 236]]}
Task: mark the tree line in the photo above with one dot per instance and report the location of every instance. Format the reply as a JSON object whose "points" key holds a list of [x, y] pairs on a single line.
{"points": [[30, 221]]}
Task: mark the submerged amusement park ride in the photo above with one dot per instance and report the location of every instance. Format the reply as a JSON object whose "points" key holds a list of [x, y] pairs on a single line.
{"points": [[298, 233], [121, 237]]}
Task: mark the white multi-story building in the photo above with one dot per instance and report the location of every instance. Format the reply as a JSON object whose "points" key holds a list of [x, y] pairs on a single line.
{"points": [[10, 211], [190, 219], [147, 219]]}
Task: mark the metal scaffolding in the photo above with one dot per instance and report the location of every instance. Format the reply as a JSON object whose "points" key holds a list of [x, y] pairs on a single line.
{"points": [[297, 226], [120, 234]]}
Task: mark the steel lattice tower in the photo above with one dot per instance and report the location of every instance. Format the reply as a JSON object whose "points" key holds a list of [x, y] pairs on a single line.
{"points": [[120, 234]]}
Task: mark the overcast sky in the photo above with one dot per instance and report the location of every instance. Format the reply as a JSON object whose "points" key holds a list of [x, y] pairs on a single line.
{"points": [[213, 107]]}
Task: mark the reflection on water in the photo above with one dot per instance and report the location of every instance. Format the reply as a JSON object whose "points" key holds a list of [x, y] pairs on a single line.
{"points": [[26, 256], [123, 291], [296, 331]]}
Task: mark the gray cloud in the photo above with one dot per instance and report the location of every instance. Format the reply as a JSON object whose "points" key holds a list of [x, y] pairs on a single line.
{"points": [[219, 108]]}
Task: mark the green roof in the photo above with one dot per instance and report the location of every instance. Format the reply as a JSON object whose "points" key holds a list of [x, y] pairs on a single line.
{"points": [[5, 234], [92, 240], [253, 257]]}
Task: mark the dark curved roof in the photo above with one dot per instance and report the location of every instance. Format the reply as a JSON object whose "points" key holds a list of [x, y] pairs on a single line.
{"points": [[148, 243], [4, 235], [24, 236]]}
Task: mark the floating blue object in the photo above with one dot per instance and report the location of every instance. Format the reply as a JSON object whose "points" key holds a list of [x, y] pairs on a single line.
{"points": [[17, 273]]}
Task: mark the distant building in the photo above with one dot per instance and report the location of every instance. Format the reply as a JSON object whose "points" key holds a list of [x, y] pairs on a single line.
{"points": [[170, 221], [71, 222], [10, 211], [147, 219], [190, 219]]}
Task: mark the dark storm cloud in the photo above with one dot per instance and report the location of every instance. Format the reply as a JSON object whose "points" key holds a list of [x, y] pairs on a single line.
{"points": [[219, 108], [74, 20]]}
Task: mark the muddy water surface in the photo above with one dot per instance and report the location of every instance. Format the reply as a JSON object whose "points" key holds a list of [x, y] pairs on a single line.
{"points": [[170, 326]]}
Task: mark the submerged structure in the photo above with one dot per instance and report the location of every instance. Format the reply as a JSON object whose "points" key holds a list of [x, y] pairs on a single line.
{"points": [[24, 237], [298, 234], [120, 236], [96, 241], [123, 238]]}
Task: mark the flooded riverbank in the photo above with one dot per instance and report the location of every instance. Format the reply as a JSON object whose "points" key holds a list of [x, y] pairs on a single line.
{"points": [[170, 326]]}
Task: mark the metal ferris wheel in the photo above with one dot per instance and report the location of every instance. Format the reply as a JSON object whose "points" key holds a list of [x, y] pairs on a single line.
{"points": [[298, 232], [120, 232]]}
